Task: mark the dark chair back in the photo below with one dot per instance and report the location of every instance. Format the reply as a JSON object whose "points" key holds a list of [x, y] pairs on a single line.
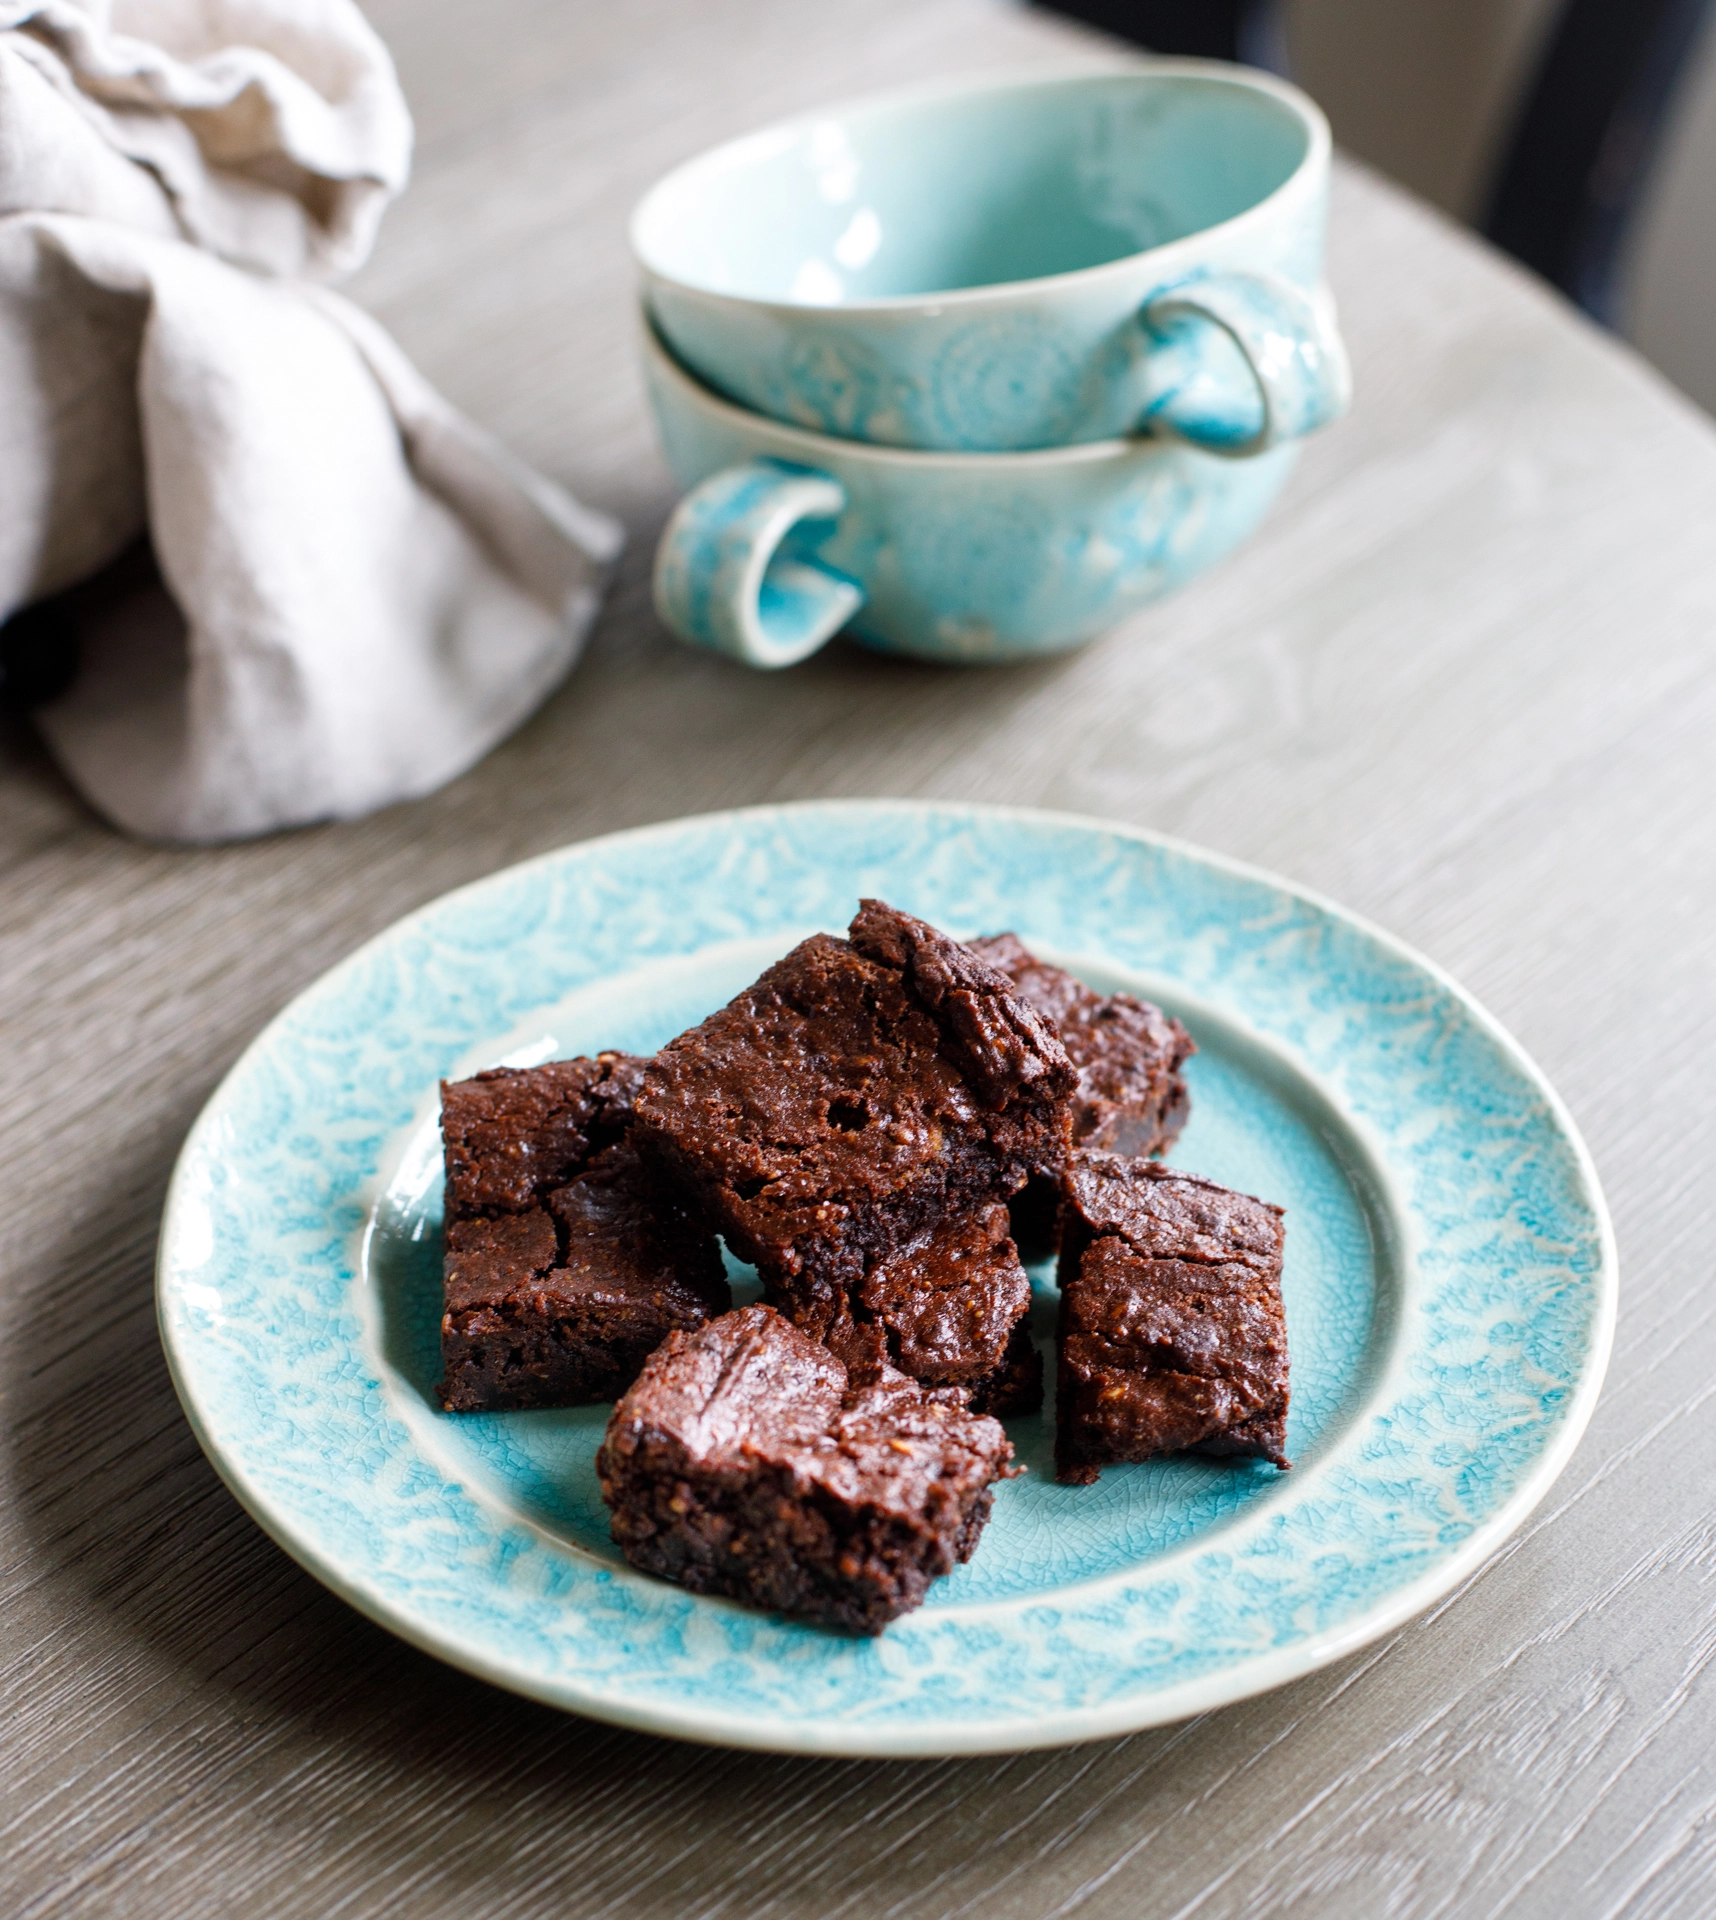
{"points": [[1576, 165], [1248, 30], [1588, 130]]}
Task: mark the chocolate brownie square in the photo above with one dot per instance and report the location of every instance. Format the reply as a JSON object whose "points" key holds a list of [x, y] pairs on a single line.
{"points": [[744, 1462], [1014, 1385], [949, 1302], [858, 1094], [514, 1134], [941, 1309], [1131, 1097], [948, 1310], [1172, 1334], [559, 1305]]}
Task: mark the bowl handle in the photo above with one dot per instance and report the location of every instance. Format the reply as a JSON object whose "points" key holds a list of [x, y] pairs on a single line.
{"points": [[1288, 339], [735, 569]]}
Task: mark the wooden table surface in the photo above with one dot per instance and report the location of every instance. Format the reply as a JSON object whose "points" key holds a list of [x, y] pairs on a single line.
{"points": [[1464, 681]]}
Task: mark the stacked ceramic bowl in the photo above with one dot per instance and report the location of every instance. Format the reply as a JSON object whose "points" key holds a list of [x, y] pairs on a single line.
{"points": [[974, 371]]}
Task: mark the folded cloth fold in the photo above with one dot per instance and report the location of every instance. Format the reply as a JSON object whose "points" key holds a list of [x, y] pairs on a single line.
{"points": [[361, 592], [275, 128]]}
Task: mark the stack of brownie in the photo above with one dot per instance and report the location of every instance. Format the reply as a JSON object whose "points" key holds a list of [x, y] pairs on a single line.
{"points": [[871, 1124], [854, 1125], [1171, 1336]]}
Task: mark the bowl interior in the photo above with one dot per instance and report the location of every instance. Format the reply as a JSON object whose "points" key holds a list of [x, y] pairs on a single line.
{"points": [[934, 194]]}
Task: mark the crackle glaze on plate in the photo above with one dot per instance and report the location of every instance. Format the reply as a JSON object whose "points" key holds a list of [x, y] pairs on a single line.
{"points": [[1449, 1284]]}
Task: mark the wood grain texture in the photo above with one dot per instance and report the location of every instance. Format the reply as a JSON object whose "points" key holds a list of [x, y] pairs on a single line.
{"points": [[1463, 681]]}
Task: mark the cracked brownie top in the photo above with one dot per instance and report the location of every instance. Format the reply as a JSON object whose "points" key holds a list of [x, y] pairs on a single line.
{"points": [[861, 1090], [514, 1134]]}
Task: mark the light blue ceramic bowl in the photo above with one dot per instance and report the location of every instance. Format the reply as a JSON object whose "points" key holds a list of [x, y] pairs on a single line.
{"points": [[1016, 263], [786, 536]]}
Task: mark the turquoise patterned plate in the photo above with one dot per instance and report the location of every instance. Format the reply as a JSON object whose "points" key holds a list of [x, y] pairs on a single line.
{"points": [[1450, 1289]]}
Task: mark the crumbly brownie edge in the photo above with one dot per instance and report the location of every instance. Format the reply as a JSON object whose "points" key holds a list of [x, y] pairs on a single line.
{"points": [[794, 1499], [526, 1357], [840, 1254], [1085, 1417], [760, 1538], [526, 1344]]}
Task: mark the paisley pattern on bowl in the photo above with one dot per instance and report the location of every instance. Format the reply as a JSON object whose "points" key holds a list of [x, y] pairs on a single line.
{"points": [[980, 559], [952, 268]]}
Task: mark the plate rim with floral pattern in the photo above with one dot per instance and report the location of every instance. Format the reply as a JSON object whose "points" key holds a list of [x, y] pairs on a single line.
{"points": [[1505, 1321]]}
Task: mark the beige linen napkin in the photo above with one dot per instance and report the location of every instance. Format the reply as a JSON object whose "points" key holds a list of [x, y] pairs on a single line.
{"points": [[363, 591]]}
